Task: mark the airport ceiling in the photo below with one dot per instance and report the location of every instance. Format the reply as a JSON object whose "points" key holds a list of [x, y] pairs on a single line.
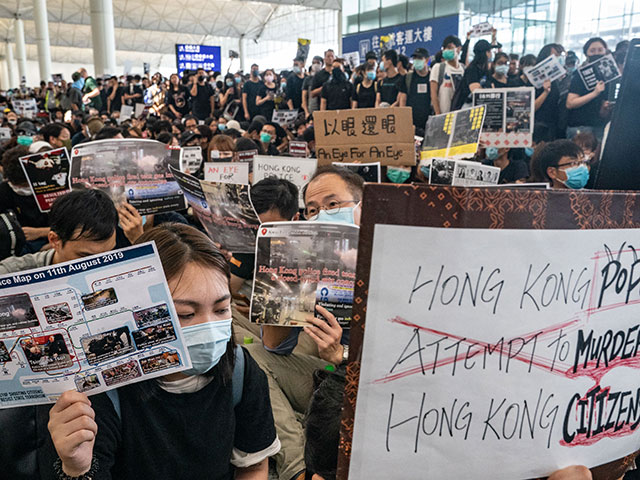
{"points": [[147, 26]]}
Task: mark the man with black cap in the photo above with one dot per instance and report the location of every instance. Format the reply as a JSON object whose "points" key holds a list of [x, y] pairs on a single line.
{"points": [[476, 74], [417, 83], [190, 138]]}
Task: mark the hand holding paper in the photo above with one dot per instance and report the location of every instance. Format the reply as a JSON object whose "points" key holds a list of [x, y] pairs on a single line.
{"points": [[327, 335]]}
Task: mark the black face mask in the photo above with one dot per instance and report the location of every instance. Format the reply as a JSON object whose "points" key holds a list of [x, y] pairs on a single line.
{"points": [[593, 58], [202, 78]]}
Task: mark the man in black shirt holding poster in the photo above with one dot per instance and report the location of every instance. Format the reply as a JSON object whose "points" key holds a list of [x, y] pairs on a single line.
{"points": [[393, 90]]}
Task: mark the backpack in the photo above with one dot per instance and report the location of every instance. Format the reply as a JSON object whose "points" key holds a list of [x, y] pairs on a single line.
{"points": [[12, 239], [237, 383]]}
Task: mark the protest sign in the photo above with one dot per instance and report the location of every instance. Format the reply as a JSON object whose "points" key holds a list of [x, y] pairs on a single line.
{"points": [[135, 171], [139, 109], [26, 108], [300, 265], [48, 176], [453, 135], [481, 29], [353, 59], [230, 172], [57, 78], [297, 170], [298, 149], [509, 118], [245, 156], [303, 48], [190, 159], [370, 172], [604, 70], [225, 211], [284, 118], [443, 171], [5, 135], [89, 325], [504, 356], [126, 111], [382, 135], [548, 69]]}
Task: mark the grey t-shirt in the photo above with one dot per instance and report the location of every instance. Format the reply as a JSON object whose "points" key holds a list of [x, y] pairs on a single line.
{"points": [[26, 262]]}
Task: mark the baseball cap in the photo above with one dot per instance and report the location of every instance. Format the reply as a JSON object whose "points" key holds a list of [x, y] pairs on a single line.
{"points": [[187, 136], [483, 46], [420, 52], [26, 128]]}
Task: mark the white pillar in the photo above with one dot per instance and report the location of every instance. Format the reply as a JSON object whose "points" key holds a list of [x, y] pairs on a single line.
{"points": [[339, 22], [42, 38], [21, 49], [241, 52], [10, 64], [103, 37], [4, 74], [561, 19]]}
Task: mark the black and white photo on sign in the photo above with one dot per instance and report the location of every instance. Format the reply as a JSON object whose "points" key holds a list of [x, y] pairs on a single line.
{"points": [[370, 172], [284, 118], [481, 29], [604, 70], [460, 173], [509, 116], [548, 69], [190, 159], [107, 345]]}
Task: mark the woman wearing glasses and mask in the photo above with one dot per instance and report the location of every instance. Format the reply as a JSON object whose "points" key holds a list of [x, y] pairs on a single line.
{"points": [[184, 425]]}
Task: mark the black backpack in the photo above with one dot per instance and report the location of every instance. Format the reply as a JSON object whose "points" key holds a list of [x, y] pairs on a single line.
{"points": [[12, 239]]}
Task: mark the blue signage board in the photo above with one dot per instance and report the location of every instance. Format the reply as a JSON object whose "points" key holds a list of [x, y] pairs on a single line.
{"points": [[193, 57], [404, 38]]}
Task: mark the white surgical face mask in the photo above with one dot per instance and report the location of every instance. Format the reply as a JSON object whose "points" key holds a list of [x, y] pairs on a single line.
{"points": [[207, 343]]}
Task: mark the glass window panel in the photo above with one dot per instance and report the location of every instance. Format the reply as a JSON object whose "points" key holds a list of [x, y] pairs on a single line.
{"points": [[446, 7], [420, 10], [393, 14], [369, 20]]}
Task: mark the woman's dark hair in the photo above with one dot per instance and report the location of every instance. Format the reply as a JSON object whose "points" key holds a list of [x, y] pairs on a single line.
{"points": [[107, 132], [11, 164], [593, 40], [275, 193], [179, 245], [87, 214], [528, 60], [547, 51]]}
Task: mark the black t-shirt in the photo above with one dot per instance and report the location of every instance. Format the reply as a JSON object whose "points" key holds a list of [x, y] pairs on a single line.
{"points": [[182, 436], [25, 207], [242, 265], [132, 89], [252, 89], [201, 102], [588, 114], [516, 170], [472, 74], [116, 102], [495, 83], [338, 95], [294, 90], [419, 100], [319, 79], [549, 112], [366, 97], [390, 87], [179, 99], [266, 109]]}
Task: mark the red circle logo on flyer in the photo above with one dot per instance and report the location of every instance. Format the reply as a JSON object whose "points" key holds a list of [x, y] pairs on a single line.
{"points": [[264, 231]]}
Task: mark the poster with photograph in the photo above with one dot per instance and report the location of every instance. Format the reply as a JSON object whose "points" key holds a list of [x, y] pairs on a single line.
{"points": [[298, 149], [227, 172], [460, 173], [5, 135], [352, 59], [134, 171], [26, 108], [605, 69], [453, 135], [87, 325], [225, 211], [300, 265], [509, 118], [297, 170], [190, 159], [481, 29], [548, 69], [48, 176], [284, 118], [370, 172]]}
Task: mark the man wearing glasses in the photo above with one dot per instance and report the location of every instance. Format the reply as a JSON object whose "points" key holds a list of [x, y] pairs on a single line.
{"points": [[562, 163], [332, 195]]}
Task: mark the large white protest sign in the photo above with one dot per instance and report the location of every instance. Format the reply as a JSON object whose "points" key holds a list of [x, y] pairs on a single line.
{"points": [[126, 111], [90, 325], [297, 170], [190, 159], [481, 29], [284, 118], [548, 69], [227, 172], [502, 362]]}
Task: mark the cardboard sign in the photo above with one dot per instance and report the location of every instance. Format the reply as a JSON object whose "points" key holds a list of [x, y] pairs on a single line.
{"points": [[48, 176], [126, 111], [509, 118], [370, 172], [498, 355], [297, 170], [443, 171], [454, 134], [231, 172], [300, 265], [481, 29], [284, 118], [382, 135], [224, 210], [190, 159], [604, 70], [548, 69], [132, 170], [90, 325], [298, 149]]}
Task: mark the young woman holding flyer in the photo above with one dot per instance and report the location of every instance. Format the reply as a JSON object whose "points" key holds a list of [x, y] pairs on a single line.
{"points": [[185, 425]]}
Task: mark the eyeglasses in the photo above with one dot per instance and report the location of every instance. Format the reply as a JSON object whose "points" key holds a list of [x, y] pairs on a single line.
{"points": [[575, 163], [333, 208]]}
